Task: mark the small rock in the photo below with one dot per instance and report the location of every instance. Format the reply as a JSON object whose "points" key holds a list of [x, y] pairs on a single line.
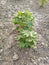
{"points": [[32, 60], [46, 57], [1, 50], [35, 63], [39, 59], [46, 45], [42, 43], [26, 52], [35, 47], [15, 57]]}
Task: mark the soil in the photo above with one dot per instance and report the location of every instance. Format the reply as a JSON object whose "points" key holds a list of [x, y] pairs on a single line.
{"points": [[10, 54]]}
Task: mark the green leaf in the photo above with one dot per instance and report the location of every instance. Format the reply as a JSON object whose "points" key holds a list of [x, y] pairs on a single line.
{"points": [[24, 22], [21, 45], [42, 2]]}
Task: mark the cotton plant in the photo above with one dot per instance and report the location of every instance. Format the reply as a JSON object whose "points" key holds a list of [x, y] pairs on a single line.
{"points": [[42, 2], [26, 36]]}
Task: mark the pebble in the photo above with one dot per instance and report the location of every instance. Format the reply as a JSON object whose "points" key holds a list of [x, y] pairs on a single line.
{"points": [[26, 52], [15, 57], [1, 50], [35, 47], [42, 43], [46, 45], [35, 63], [32, 60], [47, 57], [39, 59]]}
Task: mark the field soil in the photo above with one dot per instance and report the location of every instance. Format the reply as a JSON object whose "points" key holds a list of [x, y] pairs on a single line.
{"points": [[10, 54]]}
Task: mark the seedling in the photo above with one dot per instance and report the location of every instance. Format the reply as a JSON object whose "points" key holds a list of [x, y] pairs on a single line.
{"points": [[42, 2], [24, 25], [23, 20]]}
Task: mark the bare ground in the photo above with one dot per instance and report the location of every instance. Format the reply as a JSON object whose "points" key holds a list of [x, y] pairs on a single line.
{"points": [[10, 54]]}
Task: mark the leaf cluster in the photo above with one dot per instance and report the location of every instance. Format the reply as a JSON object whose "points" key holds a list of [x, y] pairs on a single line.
{"points": [[24, 20], [27, 39], [24, 25]]}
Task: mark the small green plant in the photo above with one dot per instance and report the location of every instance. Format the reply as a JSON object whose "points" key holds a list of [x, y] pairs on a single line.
{"points": [[23, 20], [42, 2], [27, 38], [24, 25]]}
